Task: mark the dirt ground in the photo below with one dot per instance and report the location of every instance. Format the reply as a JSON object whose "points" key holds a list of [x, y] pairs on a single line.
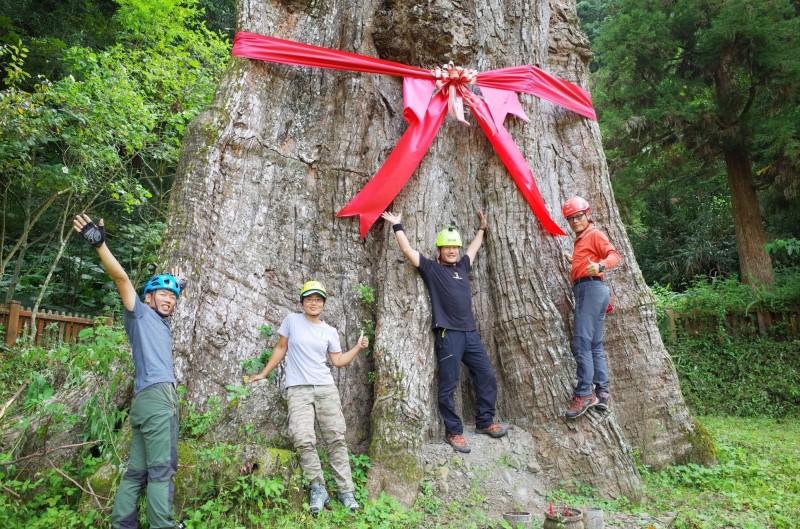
{"points": [[498, 476]]}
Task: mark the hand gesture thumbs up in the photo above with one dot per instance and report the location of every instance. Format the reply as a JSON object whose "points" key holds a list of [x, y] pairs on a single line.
{"points": [[363, 341], [594, 268]]}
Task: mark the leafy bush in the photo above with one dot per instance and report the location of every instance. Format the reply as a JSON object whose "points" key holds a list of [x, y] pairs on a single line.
{"points": [[714, 298], [725, 369], [746, 377]]}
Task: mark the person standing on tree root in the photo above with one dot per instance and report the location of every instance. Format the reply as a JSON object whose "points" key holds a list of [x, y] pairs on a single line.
{"points": [[592, 255], [456, 335], [307, 342], [153, 458]]}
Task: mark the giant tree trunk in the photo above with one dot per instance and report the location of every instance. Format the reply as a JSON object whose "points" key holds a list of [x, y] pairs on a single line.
{"points": [[264, 172]]}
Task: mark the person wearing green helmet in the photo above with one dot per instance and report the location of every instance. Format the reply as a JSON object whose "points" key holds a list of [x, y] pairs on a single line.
{"points": [[456, 335], [153, 456], [307, 342]]}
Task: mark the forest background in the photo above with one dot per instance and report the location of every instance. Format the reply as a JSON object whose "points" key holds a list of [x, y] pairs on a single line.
{"points": [[96, 96]]}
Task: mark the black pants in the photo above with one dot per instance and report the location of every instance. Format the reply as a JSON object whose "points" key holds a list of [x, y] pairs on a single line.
{"points": [[453, 348]]}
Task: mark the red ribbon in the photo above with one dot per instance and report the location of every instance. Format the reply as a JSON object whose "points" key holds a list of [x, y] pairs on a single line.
{"points": [[427, 96]]}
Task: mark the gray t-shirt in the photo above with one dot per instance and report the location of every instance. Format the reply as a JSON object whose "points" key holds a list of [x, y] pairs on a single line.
{"points": [[151, 344], [307, 354]]}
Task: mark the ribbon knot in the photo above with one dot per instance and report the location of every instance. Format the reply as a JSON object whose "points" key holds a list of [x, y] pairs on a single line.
{"points": [[451, 80], [428, 95], [450, 73]]}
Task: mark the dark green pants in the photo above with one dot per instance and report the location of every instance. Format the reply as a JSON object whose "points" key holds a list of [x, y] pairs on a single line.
{"points": [[153, 459]]}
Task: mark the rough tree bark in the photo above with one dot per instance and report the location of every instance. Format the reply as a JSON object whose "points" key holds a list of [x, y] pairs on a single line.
{"points": [[283, 148]]}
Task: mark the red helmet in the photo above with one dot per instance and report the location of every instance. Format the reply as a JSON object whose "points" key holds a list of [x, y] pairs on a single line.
{"points": [[575, 205]]}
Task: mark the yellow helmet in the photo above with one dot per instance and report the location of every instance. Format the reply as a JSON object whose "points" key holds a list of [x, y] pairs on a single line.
{"points": [[313, 287], [448, 237]]}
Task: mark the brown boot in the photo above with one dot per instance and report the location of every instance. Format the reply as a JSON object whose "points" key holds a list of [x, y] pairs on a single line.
{"points": [[580, 405], [458, 443], [493, 430]]}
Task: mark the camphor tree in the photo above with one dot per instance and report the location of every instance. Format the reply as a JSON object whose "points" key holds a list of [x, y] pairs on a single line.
{"points": [[693, 89], [283, 148]]}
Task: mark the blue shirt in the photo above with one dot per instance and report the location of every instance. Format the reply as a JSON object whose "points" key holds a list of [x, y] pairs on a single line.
{"points": [[151, 344], [451, 294]]}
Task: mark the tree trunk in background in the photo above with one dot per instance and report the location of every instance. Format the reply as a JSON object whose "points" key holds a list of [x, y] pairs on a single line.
{"points": [[755, 264], [265, 170]]}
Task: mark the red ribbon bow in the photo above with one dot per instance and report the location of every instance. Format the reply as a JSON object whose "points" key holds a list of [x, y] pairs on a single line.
{"points": [[427, 97]]}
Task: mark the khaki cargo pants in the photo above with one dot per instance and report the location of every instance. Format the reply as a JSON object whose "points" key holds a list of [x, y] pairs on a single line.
{"points": [[321, 402]]}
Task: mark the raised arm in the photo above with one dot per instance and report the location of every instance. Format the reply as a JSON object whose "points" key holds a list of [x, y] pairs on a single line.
{"points": [[402, 241], [278, 354], [477, 241], [95, 235]]}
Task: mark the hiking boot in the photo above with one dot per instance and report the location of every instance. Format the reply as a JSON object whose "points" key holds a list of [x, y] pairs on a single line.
{"points": [[319, 498], [493, 430], [458, 443], [580, 405], [603, 401], [348, 499]]}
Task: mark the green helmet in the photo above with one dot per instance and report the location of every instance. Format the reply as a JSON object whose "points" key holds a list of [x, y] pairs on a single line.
{"points": [[313, 287], [448, 237]]}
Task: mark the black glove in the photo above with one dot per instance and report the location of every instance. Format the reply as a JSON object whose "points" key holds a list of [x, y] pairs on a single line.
{"points": [[182, 282], [94, 234]]}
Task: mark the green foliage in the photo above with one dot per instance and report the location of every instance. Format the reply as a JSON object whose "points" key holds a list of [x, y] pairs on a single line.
{"points": [[785, 251], [712, 300], [592, 14], [366, 294], [197, 424], [103, 137], [753, 486], [49, 501], [50, 498], [724, 369], [746, 377], [253, 366], [679, 86]]}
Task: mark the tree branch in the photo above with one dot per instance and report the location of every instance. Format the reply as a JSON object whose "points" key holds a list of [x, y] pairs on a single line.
{"points": [[65, 476], [13, 398], [44, 454]]}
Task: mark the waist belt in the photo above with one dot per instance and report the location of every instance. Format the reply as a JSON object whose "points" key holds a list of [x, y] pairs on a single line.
{"points": [[585, 279]]}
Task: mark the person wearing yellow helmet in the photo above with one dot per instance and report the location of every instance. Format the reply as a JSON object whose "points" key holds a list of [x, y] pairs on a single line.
{"points": [[456, 335], [307, 343], [593, 254]]}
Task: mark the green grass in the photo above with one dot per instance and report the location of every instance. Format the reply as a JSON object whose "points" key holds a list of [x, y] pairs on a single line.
{"points": [[755, 485]]}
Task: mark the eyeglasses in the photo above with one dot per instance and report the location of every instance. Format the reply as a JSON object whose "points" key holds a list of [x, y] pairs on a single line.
{"points": [[313, 300], [577, 216]]}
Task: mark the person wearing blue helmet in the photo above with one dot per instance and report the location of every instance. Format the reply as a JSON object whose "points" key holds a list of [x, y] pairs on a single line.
{"points": [[153, 458]]}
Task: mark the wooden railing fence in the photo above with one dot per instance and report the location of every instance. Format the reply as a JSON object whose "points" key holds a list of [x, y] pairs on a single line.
{"points": [[755, 321], [51, 327]]}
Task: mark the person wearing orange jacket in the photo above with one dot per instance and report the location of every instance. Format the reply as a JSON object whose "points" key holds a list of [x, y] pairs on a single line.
{"points": [[592, 256]]}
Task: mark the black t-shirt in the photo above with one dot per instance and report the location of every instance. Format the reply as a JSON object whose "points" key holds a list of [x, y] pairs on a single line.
{"points": [[451, 295]]}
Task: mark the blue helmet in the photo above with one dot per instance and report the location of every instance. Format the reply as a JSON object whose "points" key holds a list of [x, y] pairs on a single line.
{"points": [[163, 282]]}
